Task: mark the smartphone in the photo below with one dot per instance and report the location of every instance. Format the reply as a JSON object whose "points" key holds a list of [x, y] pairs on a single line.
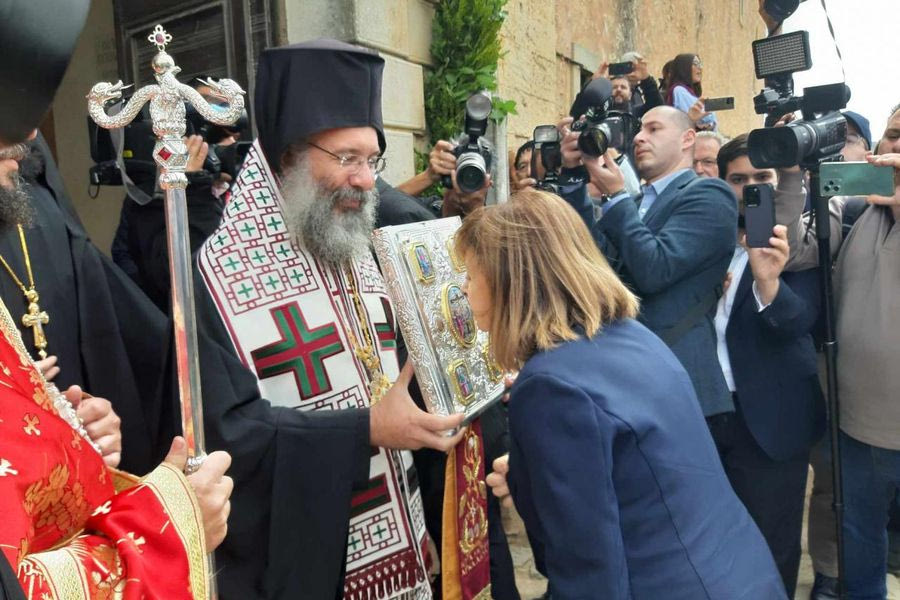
{"points": [[620, 68], [759, 214], [714, 104], [855, 179]]}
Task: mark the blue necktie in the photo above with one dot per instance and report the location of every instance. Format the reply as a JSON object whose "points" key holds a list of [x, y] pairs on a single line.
{"points": [[647, 197]]}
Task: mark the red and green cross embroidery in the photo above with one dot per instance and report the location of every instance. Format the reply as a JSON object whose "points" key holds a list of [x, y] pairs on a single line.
{"points": [[373, 495], [387, 339], [301, 351]]}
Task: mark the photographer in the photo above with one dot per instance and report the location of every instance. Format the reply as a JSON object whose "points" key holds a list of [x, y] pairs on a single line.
{"points": [[685, 91], [674, 249], [638, 91], [145, 224], [520, 167], [866, 286], [763, 325]]}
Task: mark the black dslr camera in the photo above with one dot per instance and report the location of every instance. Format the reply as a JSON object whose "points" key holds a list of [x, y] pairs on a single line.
{"points": [[473, 153], [221, 158], [821, 134], [601, 128]]}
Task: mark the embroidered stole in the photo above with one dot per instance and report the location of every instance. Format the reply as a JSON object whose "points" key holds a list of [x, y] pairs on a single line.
{"points": [[290, 318]]}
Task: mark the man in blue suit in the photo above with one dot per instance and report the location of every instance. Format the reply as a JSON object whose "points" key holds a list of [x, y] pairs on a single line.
{"points": [[766, 352], [671, 244]]}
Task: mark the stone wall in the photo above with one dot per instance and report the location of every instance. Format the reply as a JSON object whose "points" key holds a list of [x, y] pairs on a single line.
{"points": [[401, 31], [549, 43], [94, 60]]}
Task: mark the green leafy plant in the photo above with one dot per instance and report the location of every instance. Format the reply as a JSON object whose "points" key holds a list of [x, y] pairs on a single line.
{"points": [[465, 50]]}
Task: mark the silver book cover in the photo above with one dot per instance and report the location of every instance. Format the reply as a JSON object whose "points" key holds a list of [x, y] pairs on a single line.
{"points": [[424, 279]]}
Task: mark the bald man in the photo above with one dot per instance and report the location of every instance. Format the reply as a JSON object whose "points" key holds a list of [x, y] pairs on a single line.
{"points": [[671, 244]]}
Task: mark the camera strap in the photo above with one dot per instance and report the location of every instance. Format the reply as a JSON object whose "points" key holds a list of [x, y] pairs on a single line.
{"points": [[671, 335]]}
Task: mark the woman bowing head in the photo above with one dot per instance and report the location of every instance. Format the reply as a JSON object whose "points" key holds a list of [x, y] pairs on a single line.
{"points": [[611, 465]]}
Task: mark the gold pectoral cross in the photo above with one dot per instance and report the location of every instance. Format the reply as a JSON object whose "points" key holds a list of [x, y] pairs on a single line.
{"points": [[36, 319]]}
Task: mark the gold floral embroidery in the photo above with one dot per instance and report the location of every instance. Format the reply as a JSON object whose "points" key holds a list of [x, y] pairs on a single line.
{"points": [[31, 422], [76, 440], [22, 551], [107, 580], [474, 519], [52, 502], [42, 399]]}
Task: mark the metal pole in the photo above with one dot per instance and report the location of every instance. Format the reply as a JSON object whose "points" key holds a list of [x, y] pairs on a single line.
{"points": [[823, 233], [167, 110]]}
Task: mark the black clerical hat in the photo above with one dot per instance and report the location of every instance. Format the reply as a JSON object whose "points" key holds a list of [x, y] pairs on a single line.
{"points": [[37, 38], [322, 84]]}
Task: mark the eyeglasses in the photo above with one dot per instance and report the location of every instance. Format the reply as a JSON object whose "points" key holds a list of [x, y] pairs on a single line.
{"points": [[852, 138], [706, 162], [697, 62], [353, 163]]}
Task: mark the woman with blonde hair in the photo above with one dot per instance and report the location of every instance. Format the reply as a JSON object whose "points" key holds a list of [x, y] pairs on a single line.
{"points": [[611, 465]]}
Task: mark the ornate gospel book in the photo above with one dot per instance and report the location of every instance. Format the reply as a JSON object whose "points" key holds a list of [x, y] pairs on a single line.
{"points": [[424, 278]]}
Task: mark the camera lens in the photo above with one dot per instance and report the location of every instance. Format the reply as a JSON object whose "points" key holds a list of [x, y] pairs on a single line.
{"points": [[470, 172], [594, 139]]}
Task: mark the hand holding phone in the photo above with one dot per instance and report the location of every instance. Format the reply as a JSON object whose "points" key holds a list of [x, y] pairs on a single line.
{"points": [[759, 214], [620, 68], [714, 104]]}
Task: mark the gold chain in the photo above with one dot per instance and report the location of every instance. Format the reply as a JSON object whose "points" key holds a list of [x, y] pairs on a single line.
{"points": [[35, 318], [367, 354], [27, 265]]}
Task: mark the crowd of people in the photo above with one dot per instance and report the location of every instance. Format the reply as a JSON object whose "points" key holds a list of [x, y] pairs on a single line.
{"points": [[664, 391]]}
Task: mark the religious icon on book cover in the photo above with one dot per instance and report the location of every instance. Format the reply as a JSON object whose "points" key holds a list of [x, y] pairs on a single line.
{"points": [[425, 277], [462, 381], [458, 314], [420, 262]]}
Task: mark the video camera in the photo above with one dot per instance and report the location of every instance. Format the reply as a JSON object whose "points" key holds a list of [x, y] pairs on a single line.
{"points": [[473, 153], [602, 128], [821, 134], [137, 142]]}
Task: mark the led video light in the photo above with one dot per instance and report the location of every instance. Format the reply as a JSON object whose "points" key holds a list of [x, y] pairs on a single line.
{"points": [[782, 54]]}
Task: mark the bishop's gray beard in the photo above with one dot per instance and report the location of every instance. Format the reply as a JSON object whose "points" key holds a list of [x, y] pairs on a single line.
{"points": [[336, 238], [15, 204]]}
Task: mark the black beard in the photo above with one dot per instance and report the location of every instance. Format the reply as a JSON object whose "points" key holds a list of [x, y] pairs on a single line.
{"points": [[15, 205], [32, 166]]}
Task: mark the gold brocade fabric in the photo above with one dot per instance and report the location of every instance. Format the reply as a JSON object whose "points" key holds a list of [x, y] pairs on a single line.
{"points": [[65, 530]]}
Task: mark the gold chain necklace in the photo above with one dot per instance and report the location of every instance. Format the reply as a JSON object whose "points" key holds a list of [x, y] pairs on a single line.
{"points": [[35, 318], [367, 354]]}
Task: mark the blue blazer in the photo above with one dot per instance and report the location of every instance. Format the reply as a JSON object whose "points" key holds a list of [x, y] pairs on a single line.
{"points": [[673, 259], [773, 361], [614, 472]]}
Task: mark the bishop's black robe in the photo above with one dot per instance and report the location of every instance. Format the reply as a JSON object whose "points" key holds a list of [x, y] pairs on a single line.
{"points": [[110, 339], [294, 472]]}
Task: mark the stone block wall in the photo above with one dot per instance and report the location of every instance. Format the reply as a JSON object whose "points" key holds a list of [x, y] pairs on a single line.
{"points": [[549, 43], [401, 31]]}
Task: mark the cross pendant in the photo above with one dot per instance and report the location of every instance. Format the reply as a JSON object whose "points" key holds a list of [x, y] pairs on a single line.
{"points": [[36, 319]]}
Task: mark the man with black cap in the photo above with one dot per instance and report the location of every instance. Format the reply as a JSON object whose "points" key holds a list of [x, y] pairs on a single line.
{"points": [[325, 505]]}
